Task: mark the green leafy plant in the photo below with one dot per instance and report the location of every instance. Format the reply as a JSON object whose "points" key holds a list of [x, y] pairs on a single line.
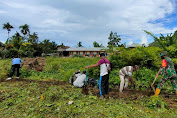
{"points": [[156, 102]]}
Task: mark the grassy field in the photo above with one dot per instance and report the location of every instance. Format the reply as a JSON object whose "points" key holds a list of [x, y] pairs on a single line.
{"points": [[47, 94]]}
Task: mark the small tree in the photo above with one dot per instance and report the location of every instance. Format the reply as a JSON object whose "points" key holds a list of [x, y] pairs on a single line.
{"points": [[79, 44], [114, 39], [48, 47], [15, 45], [95, 44], [33, 38]]}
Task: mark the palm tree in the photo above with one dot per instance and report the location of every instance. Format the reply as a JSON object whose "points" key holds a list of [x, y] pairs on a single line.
{"points": [[17, 43], [24, 29], [33, 38], [8, 27]]}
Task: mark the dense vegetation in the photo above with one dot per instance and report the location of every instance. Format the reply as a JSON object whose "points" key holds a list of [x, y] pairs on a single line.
{"points": [[39, 94], [25, 44]]}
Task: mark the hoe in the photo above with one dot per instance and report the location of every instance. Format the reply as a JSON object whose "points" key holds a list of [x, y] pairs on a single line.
{"points": [[84, 88], [152, 84]]}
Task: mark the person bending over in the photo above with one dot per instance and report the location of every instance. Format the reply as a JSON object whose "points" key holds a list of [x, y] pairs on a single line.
{"points": [[15, 66], [80, 80], [125, 75]]}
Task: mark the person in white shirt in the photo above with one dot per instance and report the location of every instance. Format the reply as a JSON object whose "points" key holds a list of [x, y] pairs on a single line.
{"points": [[80, 80], [74, 76], [104, 74], [125, 75]]}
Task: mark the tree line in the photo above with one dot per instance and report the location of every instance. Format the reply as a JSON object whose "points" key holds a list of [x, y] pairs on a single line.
{"points": [[25, 43], [113, 41]]}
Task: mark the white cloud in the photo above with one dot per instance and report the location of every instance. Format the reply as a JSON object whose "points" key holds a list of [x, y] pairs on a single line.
{"points": [[130, 42], [3, 41], [90, 20], [144, 40], [2, 12]]}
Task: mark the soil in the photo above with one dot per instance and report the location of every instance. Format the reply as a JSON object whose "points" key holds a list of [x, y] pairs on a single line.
{"points": [[34, 63], [170, 99], [131, 95]]}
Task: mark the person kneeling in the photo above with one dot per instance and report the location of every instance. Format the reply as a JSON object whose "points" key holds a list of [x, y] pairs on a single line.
{"points": [[79, 82], [74, 76]]}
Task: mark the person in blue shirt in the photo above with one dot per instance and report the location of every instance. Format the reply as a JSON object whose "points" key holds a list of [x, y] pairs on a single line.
{"points": [[15, 66]]}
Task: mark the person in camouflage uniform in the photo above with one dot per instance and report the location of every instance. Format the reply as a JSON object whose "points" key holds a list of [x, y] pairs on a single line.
{"points": [[168, 71]]}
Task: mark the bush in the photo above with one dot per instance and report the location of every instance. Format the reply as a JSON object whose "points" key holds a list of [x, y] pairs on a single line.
{"points": [[175, 62], [145, 57], [114, 78], [143, 78]]}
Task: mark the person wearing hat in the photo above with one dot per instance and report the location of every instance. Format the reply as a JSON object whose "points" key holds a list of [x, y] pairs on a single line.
{"points": [[104, 74], [125, 75], [168, 71]]}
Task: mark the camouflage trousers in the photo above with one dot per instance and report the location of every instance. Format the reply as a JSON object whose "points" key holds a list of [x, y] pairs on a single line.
{"points": [[164, 79]]}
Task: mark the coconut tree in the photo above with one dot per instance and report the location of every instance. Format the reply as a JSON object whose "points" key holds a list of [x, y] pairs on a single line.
{"points": [[24, 29], [33, 38], [8, 27]]}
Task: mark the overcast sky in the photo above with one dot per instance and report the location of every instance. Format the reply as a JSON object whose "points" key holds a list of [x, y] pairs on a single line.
{"points": [[71, 21]]}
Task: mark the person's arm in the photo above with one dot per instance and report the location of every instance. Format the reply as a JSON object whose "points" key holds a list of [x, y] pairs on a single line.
{"points": [[160, 71], [131, 80], [129, 73], [95, 65]]}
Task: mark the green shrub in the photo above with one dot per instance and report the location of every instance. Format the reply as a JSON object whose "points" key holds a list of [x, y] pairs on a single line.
{"points": [[145, 57], [175, 62], [114, 78], [143, 78]]}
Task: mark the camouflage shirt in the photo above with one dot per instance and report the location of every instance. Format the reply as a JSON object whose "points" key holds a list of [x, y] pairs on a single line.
{"points": [[169, 70]]}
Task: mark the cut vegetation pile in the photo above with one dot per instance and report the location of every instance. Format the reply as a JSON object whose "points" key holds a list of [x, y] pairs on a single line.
{"points": [[34, 63]]}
